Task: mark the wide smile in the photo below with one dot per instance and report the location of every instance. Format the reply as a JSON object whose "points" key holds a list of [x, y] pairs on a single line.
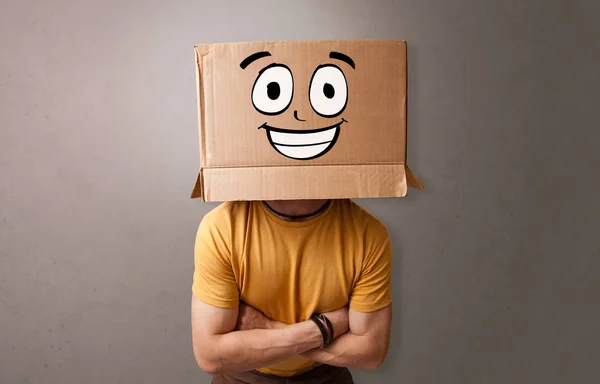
{"points": [[303, 145]]}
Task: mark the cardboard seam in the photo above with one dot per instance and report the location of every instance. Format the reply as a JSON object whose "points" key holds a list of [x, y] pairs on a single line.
{"points": [[302, 166], [201, 108], [405, 100], [201, 180]]}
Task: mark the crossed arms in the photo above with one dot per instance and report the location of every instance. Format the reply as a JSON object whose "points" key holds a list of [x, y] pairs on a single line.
{"points": [[242, 338]]}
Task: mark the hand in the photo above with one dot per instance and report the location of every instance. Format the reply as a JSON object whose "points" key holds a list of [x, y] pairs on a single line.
{"points": [[251, 318], [339, 320]]}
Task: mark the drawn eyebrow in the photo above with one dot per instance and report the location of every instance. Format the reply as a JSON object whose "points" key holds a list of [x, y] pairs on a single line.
{"points": [[344, 58], [253, 57]]}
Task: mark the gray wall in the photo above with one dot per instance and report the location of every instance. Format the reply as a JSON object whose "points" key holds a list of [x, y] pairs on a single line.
{"points": [[496, 273]]}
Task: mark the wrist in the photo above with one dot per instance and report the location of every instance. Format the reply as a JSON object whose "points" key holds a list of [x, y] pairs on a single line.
{"points": [[315, 337]]}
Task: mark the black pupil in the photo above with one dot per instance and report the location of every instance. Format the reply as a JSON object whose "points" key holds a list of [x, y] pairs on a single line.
{"points": [[328, 91], [273, 90]]}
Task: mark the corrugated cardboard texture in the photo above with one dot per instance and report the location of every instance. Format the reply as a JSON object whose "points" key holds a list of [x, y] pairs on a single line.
{"points": [[330, 181], [302, 119]]}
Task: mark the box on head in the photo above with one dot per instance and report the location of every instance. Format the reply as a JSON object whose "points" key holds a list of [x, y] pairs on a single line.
{"points": [[302, 120]]}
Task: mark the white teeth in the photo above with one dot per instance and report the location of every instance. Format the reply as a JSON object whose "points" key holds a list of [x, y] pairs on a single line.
{"points": [[301, 146], [305, 152], [284, 138]]}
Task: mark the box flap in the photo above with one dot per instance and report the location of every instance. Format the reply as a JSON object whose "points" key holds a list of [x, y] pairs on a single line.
{"points": [[198, 187], [412, 180], [309, 182]]}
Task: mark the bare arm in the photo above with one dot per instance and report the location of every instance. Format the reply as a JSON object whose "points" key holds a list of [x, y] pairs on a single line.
{"points": [[218, 348], [364, 347]]}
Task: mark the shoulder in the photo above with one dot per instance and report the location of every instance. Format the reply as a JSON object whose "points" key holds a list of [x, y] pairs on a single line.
{"points": [[226, 212], [223, 217], [372, 229], [217, 228]]}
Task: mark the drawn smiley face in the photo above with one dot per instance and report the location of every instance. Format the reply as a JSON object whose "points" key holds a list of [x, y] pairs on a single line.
{"points": [[272, 95]]}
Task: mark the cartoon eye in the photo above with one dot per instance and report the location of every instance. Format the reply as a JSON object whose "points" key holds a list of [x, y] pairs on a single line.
{"points": [[328, 91], [273, 90]]}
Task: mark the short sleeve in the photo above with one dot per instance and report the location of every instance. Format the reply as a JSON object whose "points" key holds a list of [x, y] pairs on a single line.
{"points": [[214, 280], [373, 289]]}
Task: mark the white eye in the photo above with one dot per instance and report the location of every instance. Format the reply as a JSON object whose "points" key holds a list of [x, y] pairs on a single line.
{"points": [[328, 91], [273, 90]]}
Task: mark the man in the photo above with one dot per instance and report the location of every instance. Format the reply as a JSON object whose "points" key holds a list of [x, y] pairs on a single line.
{"points": [[264, 271]]}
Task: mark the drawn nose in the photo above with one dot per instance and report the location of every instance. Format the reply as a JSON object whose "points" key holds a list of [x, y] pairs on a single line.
{"points": [[296, 116]]}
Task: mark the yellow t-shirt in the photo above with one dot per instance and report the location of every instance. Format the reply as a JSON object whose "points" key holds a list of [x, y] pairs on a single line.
{"points": [[290, 270]]}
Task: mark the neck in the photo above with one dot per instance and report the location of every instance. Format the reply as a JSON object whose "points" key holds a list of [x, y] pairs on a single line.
{"points": [[302, 209]]}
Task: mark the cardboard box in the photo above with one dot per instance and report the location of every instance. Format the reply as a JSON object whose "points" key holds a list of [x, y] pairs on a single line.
{"points": [[302, 120]]}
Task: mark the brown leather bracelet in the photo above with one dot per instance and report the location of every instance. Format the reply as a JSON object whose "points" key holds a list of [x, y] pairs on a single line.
{"points": [[323, 329], [329, 326]]}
